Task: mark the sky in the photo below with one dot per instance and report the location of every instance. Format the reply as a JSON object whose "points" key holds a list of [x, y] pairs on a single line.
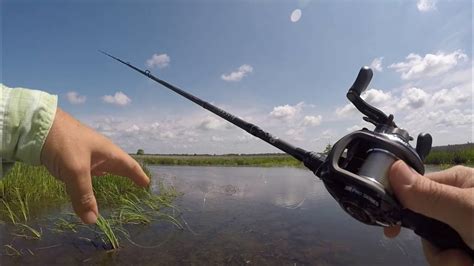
{"points": [[283, 65]]}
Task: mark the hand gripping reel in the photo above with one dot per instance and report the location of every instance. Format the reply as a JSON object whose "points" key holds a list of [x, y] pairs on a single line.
{"points": [[356, 173]]}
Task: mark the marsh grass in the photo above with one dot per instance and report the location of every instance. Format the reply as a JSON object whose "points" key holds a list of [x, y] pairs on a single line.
{"points": [[26, 183], [28, 232], [27, 187], [63, 225], [265, 160], [109, 234], [9, 212], [33, 183], [132, 211], [11, 251]]}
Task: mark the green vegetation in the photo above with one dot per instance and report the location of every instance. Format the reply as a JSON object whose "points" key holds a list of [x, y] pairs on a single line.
{"points": [[261, 160], [11, 251], [33, 184], [140, 152], [441, 155], [327, 149], [452, 154], [105, 227], [27, 188]]}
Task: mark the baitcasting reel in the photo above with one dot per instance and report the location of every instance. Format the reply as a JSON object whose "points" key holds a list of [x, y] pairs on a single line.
{"points": [[355, 171]]}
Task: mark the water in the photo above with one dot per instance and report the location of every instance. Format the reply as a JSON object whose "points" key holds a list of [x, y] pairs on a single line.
{"points": [[241, 215]]}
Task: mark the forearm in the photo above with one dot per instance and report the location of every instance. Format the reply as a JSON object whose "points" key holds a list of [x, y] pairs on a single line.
{"points": [[26, 117]]}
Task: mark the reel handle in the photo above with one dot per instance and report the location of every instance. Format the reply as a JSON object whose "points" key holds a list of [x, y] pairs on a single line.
{"points": [[373, 114], [438, 233]]}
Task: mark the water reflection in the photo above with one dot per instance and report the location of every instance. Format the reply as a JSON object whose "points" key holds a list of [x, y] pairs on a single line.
{"points": [[282, 187], [276, 215]]}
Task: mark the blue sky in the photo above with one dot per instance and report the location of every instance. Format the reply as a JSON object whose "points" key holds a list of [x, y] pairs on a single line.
{"points": [[251, 58]]}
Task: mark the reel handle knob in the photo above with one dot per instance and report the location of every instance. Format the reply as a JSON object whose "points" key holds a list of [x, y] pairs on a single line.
{"points": [[362, 81], [440, 234], [423, 145]]}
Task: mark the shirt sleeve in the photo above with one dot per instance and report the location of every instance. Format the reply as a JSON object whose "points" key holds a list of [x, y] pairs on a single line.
{"points": [[26, 116]]}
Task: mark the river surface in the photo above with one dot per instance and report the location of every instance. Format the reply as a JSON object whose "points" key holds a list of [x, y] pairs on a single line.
{"points": [[239, 215]]}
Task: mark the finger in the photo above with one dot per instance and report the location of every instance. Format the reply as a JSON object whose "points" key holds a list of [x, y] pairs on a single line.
{"points": [[120, 163], [457, 176], [422, 195], [453, 257], [79, 188], [391, 231]]}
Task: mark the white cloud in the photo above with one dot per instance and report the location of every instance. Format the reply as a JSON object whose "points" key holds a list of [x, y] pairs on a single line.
{"points": [[211, 123], [295, 134], [413, 98], [295, 15], [430, 65], [133, 129], [324, 137], [454, 117], [154, 125], [426, 5], [377, 64], [286, 112], [346, 110], [244, 138], [217, 139], [377, 97], [158, 60], [310, 120], [238, 74], [74, 98], [167, 135], [119, 98], [449, 97]]}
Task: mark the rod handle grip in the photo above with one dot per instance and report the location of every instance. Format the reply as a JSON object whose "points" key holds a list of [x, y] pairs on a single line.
{"points": [[438, 233]]}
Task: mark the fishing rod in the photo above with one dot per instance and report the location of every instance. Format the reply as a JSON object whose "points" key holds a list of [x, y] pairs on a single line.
{"points": [[355, 172], [310, 159]]}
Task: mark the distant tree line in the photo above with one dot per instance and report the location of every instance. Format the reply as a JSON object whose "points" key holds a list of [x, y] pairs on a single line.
{"points": [[452, 154]]}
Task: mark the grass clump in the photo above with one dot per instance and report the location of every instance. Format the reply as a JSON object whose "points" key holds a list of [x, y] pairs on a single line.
{"points": [[123, 201], [32, 182], [18, 213], [106, 228], [26, 183]]}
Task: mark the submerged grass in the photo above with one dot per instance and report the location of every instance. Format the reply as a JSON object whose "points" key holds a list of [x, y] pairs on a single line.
{"points": [[9, 212], [11, 251], [28, 232], [106, 228], [63, 225], [123, 201]]}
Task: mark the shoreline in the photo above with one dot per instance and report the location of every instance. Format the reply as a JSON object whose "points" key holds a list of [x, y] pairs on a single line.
{"points": [[246, 160]]}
